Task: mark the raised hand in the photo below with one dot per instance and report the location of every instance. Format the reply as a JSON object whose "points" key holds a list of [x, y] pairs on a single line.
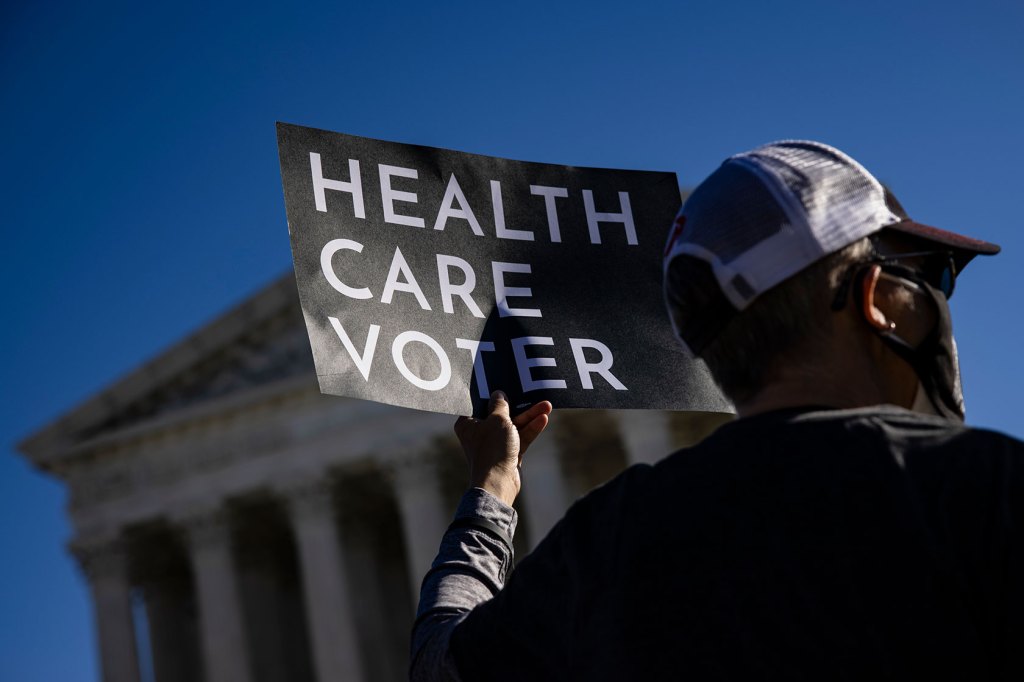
{"points": [[494, 445]]}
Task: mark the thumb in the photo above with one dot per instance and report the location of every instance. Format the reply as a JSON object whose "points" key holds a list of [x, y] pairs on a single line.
{"points": [[498, 405]]}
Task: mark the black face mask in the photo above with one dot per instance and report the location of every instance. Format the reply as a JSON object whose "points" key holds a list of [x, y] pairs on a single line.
{"points": [[935, 360]]}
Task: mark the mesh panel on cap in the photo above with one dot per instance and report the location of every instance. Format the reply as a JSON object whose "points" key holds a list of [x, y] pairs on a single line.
{"points": [[730, 212], [838, 197]]}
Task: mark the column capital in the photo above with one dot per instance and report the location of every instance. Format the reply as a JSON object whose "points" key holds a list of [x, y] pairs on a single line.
{"points": [[101, 557], [408, 468], [646, 434], [205, 526], [308, 497]]}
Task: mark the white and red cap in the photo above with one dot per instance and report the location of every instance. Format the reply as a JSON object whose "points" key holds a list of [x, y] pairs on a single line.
{"points": [[766, 214]]}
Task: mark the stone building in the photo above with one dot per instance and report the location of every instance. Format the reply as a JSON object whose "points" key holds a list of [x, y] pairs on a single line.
{"points": [[236, 525]]}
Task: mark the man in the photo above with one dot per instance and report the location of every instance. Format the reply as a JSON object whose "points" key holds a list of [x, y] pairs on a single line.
{"points": [[846, 526]]}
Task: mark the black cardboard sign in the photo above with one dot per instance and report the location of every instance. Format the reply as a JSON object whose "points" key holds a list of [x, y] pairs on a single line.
{"points": [[430, 277]]}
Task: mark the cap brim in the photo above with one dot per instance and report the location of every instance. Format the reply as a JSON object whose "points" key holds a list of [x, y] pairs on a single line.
{"points": [[965, 248]]}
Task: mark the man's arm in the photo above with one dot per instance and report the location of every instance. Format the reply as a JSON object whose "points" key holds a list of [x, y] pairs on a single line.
{"points": [[470, 568], [476, 551]]}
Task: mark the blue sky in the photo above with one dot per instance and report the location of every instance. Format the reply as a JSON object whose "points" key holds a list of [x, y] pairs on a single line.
{"points": [[140, 193]]}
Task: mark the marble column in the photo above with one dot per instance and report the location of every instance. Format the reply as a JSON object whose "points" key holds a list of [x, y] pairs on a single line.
{"points": [[545, 492], [646, 434], [324, 584], [172, 634], [221, 620], [425, 516], [105, 566]]}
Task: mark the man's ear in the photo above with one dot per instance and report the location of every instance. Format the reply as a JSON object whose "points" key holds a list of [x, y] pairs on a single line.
{"points": [[875, 317]]}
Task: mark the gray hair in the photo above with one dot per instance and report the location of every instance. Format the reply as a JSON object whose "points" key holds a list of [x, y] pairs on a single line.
{"points": [[782, 326]]}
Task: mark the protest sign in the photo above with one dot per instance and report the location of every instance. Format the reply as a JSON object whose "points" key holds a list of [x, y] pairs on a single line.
{"points": [[430, 277]]}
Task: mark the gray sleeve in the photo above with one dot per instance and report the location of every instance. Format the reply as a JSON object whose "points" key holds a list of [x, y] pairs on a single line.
{"points": [[470, 569]]}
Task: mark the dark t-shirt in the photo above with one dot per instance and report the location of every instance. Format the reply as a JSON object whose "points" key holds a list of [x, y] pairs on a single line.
{"points": [[855, 545]]}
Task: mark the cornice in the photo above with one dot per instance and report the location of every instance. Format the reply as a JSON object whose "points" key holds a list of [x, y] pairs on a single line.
{"points": [[72, 430]]}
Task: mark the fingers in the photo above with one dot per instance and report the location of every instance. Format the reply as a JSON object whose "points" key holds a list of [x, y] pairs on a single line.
{"points": [[529, 423], [529, 432], [521, 420]]}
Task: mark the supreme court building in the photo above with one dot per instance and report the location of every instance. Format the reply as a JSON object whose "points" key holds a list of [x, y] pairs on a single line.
{"points": [[235, 525]]}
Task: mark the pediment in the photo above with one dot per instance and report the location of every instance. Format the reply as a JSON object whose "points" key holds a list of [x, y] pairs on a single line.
{"points": [[261, 341]]}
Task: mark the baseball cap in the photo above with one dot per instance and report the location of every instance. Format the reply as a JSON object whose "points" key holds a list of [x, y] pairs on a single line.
{"points": [[768, 213]]}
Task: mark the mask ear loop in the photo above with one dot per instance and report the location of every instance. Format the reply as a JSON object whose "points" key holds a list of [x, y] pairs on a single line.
{"points": [[942, 403], [883, 326], [863, 282], [886, 328]]}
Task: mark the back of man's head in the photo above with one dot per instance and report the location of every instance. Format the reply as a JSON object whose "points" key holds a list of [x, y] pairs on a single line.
{"points": [[786, 326], [761, 250]]}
